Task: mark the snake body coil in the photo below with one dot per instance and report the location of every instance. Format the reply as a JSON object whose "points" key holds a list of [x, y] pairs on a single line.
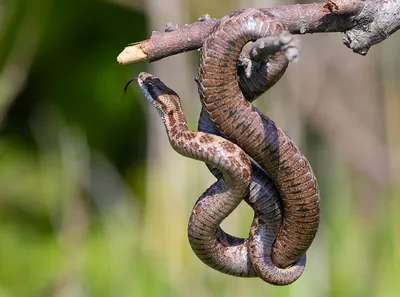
{"points": [[239, 180], [237, 120]]}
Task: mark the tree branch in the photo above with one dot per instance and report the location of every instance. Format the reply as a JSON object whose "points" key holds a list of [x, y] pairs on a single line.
{"points": [[365, 23]]}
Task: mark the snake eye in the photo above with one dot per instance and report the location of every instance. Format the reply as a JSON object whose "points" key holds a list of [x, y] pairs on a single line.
{"points": [[152, 90]]}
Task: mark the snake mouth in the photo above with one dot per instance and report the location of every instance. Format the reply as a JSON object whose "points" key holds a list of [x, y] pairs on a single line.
{"points": [[141, 78], [153, 87]]}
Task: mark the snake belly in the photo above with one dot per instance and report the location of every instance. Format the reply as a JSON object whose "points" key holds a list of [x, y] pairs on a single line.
{"points": [[239, 180], [239, 121]]}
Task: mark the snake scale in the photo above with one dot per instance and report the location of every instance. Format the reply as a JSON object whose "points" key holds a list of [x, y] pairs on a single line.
{"points": [[280, 234]]}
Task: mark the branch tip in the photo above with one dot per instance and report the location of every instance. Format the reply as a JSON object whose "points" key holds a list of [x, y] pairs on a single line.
{"points": [[132, 54]]}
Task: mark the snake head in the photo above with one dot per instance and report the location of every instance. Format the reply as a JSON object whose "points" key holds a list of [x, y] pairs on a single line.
{"points": [[157, 93]]}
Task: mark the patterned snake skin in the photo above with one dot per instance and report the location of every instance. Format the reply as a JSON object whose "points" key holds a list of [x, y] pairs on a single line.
{"points": [[285, 221], [225, 104], [239, 180]]}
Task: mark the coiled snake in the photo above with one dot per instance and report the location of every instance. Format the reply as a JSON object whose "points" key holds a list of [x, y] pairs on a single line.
{"points": [[239, 121], [240, 179], [285, 237]]}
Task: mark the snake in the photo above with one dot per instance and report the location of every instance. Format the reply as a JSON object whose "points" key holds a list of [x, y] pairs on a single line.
{"points": [[239, 179], [236, 119]]}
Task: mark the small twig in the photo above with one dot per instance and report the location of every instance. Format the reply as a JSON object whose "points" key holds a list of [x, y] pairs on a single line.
{"points": [[254, 53], [272, 44]]}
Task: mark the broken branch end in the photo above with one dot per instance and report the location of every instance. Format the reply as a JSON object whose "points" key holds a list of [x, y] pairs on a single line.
{"points": [[132, 54]]}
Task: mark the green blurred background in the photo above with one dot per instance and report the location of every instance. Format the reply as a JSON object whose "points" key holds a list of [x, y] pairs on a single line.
{"points": [[93, 200]]}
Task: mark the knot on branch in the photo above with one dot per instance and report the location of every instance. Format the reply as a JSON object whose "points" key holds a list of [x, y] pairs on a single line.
{"points": [[374, 23]]}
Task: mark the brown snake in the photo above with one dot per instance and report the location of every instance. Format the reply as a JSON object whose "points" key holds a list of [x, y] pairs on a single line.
{"points": [[240, 180], [237, 120]]}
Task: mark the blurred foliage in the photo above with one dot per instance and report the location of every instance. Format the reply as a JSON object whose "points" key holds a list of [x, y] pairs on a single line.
{"points": [[78, 48], [70, 109], [73, 176]]}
